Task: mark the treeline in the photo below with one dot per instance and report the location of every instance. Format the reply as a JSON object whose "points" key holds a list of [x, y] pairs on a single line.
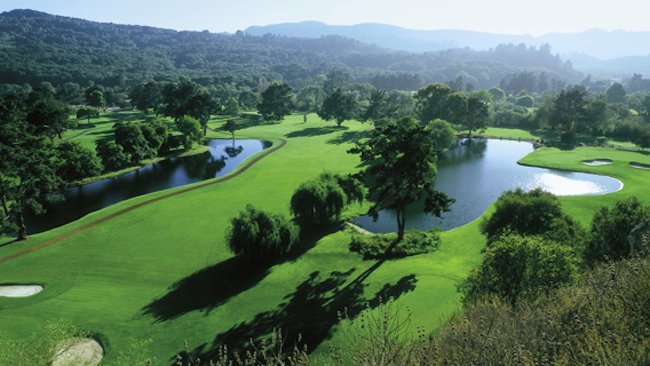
{"points": [[38, 47]]}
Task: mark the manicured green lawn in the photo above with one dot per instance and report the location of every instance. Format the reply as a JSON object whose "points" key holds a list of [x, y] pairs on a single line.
{"points": [[137, 276]]}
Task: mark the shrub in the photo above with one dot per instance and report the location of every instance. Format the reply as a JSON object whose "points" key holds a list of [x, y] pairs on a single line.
{"points": [[517, 267], [260, 237], [610, 228], [320, 201], [382, 246], [532, 213]]}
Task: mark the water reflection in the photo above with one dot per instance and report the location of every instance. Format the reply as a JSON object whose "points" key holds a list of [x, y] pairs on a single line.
{"points": [[222, 158], [476, 174]]}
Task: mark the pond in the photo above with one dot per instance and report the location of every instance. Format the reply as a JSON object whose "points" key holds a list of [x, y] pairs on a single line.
{"points": [[476, 174], [222, 158]]}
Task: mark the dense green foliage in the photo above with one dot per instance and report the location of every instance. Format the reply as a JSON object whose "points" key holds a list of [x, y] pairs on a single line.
{"points": [[516, 267], [276, 102], [191, 130], [386, 246], [611, 228], [259, 237], [76, 162], [321, 200], [339, 106], [532, 213], [112, 155], [41, 47], [401, 169]]}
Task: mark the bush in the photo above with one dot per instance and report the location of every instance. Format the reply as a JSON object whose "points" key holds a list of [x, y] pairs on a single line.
{"points": [[260, 237], [532, 213], [610, 229], [378, 246], [320, 201], [516, 267]]}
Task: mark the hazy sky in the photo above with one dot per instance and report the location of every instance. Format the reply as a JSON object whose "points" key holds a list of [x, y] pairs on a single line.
{"points": [[499, 16]]}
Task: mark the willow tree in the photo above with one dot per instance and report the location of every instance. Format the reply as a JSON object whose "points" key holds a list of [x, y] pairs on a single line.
{"points": [[400, 159]]}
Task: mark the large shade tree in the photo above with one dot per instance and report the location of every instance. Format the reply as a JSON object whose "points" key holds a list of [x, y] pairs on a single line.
{"points": [[339, 106], [276, 102], [400, 159]]}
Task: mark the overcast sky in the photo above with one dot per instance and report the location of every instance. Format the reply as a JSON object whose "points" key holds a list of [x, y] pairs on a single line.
{"points": [[497, 16]]}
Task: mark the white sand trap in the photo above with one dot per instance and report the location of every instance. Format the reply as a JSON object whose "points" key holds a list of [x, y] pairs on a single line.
{"points": [[78, 352], [639, 165], [597, 162], [19, 290]]}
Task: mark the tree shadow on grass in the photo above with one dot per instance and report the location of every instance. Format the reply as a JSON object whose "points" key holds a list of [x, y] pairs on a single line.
{"points": [[349, 137], [212, 286], [314, 131], [309, 313]]}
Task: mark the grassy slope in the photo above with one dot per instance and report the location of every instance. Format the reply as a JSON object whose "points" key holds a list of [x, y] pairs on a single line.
{"points": [[102, 279]]}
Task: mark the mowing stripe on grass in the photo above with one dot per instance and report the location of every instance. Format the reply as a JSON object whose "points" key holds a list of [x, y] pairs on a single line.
{"points": [[119, 213]]}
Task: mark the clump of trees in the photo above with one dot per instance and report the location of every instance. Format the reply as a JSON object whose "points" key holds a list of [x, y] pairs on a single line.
{"points": [[260, 237], [321, 200]]}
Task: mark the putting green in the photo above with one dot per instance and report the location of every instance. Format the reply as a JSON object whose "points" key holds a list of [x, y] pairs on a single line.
{"points": [[162, 271]]}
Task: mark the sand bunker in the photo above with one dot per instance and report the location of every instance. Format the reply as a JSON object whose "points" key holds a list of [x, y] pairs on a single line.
{"points": [[597, 162], [634, 164], [78, 352], [19, 290]]}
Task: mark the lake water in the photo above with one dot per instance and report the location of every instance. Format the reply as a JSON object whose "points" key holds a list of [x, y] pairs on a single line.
{"points": [[222, 158], [476, 174]]}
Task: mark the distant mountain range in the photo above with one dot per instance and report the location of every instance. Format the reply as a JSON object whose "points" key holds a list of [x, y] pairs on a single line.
{"points": [[597, 44]]}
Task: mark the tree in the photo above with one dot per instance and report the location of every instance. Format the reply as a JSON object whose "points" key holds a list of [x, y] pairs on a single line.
{"points": [[259, 237], [95, 97], [112, 155], [616, 93], [146, 96], [517, 267], [338, 106], [49, 117], [497, 94], [130, 137], [477, 115], [610, 228], [378, 109], [88, 113], [400, 160], [431, 102], [525, 101], [187, 98], [231, 107], [442, 133], [646, 108], [568, 111], [276, 102], [191, 130], [320, 201], [76, 162], [531, 213], [231, 126], [28, 176], [310, 99], [643, 141]]}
